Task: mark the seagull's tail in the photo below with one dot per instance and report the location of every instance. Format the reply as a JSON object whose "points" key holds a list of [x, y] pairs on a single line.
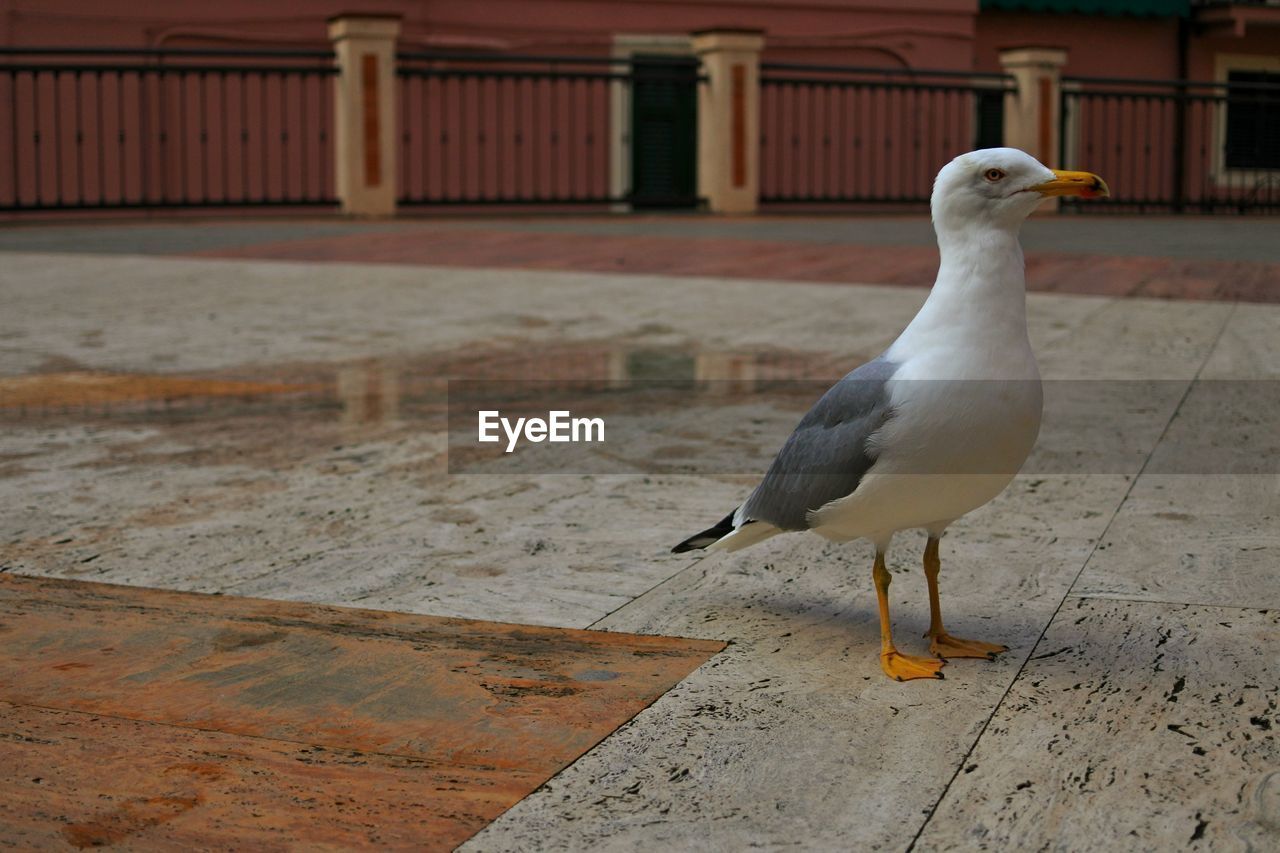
{"points": [[727, 537]]}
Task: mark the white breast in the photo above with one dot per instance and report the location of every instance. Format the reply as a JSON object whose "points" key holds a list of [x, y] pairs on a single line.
{"points": [[951, 446], [966, 396]]}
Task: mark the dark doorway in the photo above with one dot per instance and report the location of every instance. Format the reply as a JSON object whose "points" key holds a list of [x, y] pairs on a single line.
{"points": [[988, 128], [664, 131]]}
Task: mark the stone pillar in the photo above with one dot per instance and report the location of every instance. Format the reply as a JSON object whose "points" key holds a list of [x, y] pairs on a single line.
{"points": [[364, 113], [1033, 113], [729, 119]]}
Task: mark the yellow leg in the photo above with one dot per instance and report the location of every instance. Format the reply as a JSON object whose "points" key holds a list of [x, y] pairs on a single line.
{"points": [[895, 664], [941, 643]]}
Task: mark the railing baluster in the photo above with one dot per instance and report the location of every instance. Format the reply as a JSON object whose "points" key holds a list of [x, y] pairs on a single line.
{"points": [[482, 120], [804, 131], [223, 137], [13, 78], [183, 152], [204, 139], [536, 139], [321, 127], [793, 135], [407, 85], [326, 90], [553, 139], [144, 127], [57, 138], [588, 139], [1127, 108], [432, 120], [244, 135], [162, 81], [462, 137], [101, 140], [778, 140], [283, 113], [573, 141], [442, 113], [78, 104], [264, 137]]}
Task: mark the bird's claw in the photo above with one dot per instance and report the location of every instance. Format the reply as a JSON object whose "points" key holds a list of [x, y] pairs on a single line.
{"points": [[902, 667], [946, 646]]}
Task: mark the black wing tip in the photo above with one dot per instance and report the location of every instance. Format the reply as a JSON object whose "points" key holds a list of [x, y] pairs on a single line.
{"points": [[710, 536]]}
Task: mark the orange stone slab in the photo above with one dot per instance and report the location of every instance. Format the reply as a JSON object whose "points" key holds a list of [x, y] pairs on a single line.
{"points": [[89, 780], [175, 719]]}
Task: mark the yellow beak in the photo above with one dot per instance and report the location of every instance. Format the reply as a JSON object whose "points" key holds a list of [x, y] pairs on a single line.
{"points": [[1083, 184]]}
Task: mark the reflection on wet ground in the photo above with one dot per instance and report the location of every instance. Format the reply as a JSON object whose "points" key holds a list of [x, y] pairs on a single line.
{"points": [[344, 481], [380, 390], [675, 410], [83, 391], [240, 480]]}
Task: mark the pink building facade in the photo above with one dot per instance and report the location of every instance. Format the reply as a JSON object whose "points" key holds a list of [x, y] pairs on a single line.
{"points": [[932, 34], [909, 33], [471, 132]]}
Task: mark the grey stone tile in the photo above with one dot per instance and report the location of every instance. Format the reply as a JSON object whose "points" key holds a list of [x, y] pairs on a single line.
{"points": [[371, 521], [1134, 726], [1201, 525], [544, 550], [792, 735], [1194, 540], [1249, 347], [174, 503], [1128, 339]]}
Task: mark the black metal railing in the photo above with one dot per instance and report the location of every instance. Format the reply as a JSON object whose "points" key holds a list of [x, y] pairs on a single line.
{"points": [[834, 134], [107, 128], [1176, 146], [546, 130]]}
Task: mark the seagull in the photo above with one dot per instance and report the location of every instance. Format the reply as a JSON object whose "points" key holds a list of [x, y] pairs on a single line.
{"points": [[940, 422]]}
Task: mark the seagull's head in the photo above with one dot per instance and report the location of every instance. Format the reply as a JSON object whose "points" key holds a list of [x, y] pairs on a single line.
{"points": [[1001, 186]]}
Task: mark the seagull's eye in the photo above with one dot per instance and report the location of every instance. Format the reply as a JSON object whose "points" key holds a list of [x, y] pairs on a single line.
{"points": [[993, 175]]}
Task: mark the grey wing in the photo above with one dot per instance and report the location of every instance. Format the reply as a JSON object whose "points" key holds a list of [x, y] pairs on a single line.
{"points": [[829, 452]]}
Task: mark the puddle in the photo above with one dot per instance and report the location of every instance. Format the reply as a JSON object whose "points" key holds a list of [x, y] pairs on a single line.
{"points": [[275, 416], [389, 389], [87, 390], [670, 409]]}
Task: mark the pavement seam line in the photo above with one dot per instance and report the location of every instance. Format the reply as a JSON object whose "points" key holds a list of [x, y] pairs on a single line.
{"points": [[631, 601], [1084, 565], [625, 723], [700, 558], [546, 783], [1164, 603]]}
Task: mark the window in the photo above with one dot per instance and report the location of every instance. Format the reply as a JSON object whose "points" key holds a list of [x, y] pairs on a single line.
{"points": [[1253, 120], [989, 125]]}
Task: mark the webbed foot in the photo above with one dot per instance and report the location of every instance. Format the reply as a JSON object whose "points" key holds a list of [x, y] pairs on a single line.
{"points": [[945, 646], [902, 667]]}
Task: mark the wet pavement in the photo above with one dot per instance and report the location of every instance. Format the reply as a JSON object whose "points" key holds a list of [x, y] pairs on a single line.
{"points": [[271, 418]]}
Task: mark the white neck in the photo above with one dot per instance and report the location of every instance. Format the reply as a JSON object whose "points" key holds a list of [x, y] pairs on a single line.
{"points": [[978, 303]]}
